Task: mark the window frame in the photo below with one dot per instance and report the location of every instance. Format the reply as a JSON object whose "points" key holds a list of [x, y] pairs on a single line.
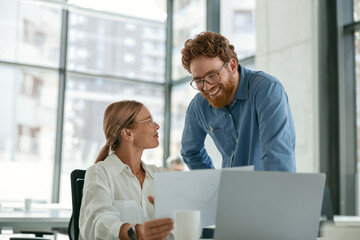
{"points": [[347, 107]]}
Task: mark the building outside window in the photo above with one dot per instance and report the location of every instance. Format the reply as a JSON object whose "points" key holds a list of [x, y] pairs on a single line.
{"points": [[104, 64]]}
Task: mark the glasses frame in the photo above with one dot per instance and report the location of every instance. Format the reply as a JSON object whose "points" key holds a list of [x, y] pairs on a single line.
{"points": [[150, 120], [193, 84]]}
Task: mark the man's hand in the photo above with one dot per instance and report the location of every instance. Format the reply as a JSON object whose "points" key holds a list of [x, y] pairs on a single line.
{"points": [[154, 229]]}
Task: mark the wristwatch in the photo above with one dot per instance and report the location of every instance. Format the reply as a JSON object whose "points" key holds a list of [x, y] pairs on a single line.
{"points": [[132, 232]]}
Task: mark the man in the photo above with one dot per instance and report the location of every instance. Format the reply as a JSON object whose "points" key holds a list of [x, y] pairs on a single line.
{"points": [[175, 163], [245, 112]]}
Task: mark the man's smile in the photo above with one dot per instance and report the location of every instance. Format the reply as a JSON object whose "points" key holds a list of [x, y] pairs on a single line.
{"points": [[214, 91]]}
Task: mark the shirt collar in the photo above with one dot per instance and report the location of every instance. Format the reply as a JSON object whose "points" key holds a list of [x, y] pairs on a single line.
{"points": [[113, 160], [242, 91], [147, 170]]}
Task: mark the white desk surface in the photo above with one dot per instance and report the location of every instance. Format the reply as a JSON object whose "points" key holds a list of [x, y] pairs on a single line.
{"points": [[45, 217], [347, 221], [40, 218]]}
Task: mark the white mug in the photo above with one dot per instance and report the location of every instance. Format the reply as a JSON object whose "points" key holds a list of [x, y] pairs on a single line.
{"points": [[187, 225]]}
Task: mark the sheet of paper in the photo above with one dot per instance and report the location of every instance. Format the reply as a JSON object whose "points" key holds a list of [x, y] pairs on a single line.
{"points": [[193, 190]]}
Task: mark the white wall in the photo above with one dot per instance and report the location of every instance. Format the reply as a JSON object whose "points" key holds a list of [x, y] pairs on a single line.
{"points": [[286, 47]]}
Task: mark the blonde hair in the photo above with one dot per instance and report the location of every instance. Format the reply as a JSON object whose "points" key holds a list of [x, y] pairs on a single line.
{"points": [[117, 116]]}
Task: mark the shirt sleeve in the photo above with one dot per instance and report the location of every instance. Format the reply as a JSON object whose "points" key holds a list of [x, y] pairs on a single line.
{"points": [[276, 127], [192, 142], [99, 219]]}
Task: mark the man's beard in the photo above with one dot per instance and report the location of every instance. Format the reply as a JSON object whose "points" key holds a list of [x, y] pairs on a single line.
{"points": [[223, 99]]}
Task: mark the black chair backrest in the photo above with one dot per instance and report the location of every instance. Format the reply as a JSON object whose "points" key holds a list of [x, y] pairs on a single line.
{"points": [[77, 183]]}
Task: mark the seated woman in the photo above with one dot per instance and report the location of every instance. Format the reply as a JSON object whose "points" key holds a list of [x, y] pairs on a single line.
{"points": [[117, 196]]}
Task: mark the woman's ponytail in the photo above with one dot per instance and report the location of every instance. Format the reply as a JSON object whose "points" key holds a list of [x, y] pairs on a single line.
{"points": [[104, 152]]}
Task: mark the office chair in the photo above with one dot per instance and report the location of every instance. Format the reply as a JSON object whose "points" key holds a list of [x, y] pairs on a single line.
{"points": [[77, 183], [207, 233]]}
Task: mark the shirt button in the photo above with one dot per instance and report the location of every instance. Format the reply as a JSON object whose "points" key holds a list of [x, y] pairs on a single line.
{"points": [[236, 140]]}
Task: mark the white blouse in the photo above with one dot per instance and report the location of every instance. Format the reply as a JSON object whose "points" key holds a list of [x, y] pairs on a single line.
{"points": [[112, 196]]}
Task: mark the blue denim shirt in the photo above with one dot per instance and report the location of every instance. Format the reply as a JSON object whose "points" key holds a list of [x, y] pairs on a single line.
{"points": [[257, 129]]}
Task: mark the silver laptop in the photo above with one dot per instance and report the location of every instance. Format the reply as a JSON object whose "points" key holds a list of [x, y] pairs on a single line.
{"points": [[269, 205]]}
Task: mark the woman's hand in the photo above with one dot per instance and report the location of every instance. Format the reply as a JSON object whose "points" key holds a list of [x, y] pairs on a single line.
{"points": [[154, 229], [151, 199]]}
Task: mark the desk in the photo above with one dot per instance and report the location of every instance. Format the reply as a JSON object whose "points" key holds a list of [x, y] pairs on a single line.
{"points": [[213, 239], [35, 220], [347, 221]]}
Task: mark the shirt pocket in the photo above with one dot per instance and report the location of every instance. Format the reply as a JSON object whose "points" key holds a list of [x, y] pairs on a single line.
{"points": [[221, 140], [128, 209]]}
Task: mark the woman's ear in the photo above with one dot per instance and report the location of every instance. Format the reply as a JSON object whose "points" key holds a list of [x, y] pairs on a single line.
{"points": [[126, 134]]}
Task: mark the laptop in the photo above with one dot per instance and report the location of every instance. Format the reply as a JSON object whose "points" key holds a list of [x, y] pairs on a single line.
{"points": [[269, 205]]}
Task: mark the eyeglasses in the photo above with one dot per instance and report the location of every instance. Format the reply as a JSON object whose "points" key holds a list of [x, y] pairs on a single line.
{"points": [[210, 79], [150, 121]]}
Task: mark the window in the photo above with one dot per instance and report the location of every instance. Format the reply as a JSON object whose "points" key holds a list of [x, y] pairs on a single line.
{"points": [[129, 58], [129, 42], [100, 68], [98, 45], [243, 22], [28, 127], [30, 33], [237, 21], [180, 99], [189, 19]]}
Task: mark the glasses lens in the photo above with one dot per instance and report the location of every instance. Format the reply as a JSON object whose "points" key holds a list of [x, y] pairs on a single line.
{"points": [[197, 84], [212, 79]]}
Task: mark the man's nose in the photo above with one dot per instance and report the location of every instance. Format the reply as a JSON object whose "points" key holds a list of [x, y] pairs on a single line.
{"points": [[207, 86]]}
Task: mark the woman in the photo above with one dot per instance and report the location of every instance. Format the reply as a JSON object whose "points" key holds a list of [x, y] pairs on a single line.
{"points": [[117, 192]]}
